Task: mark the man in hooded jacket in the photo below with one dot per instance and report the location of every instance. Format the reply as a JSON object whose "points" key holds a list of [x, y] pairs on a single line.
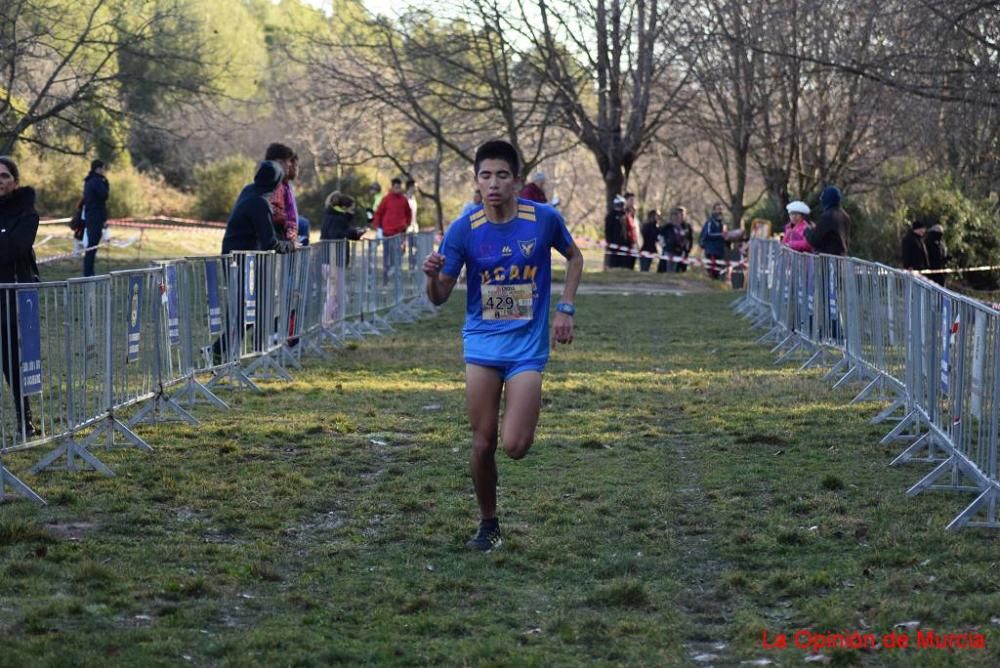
{"points": [[912, 247], [250, 226], [831, 233], [937, 252], [96, 190]]}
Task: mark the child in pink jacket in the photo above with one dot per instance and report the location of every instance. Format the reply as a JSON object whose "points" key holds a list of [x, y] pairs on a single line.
{"points": [[795, 230]]}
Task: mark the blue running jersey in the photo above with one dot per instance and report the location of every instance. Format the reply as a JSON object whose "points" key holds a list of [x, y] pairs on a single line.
{"points": [[509, 270]]}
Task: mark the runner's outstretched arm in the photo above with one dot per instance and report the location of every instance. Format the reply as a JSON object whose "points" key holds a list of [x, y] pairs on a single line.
{"points": [[439, 286], [562, 324]]}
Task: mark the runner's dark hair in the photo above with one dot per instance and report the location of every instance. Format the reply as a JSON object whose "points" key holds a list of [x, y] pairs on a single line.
{"points": [[498, 149]]}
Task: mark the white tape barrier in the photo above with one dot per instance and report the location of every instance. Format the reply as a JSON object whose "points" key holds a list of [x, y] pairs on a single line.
{"points": [[615, 249], [116, 243]]}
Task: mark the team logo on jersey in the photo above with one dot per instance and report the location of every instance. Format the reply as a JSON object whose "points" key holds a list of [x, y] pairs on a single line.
{"points": [[506, 252], [527, 247]]}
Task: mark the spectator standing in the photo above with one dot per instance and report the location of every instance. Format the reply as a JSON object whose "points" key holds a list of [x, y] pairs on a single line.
{"points": [[687, 238], [937, 252], [391, 220], [831, 233], [913, 250], [96, 191], [338, 218], [632, 229], [673, 241], [411, 197], [795, 230], [250, 226], [393, 214], [375, 190], [615, 234], [477, 201], [713, 242], [535, 191], [286, 213], [18, 227], [304, 226], [338, 224], [650, 232]]}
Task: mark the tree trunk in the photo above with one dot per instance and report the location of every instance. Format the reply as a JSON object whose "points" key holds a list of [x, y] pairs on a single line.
{"points": [[437, 186], [614, 182]]}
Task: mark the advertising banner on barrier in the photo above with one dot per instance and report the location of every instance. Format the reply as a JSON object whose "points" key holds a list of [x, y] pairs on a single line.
{"points": [[945, 342], [250, 290], [29, 335], [134, 318], [170, 301], [978, 362], [833, 297], [810, 278], [214, 309], [90, 328]]}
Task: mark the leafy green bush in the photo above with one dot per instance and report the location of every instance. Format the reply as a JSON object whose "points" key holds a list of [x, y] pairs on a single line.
{"points": [[218, 185], [971, 230], [58, 180], [352, 182], [136, 195]]}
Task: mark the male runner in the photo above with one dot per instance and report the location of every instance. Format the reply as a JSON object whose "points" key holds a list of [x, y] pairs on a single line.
{"points": [[505, 247]]}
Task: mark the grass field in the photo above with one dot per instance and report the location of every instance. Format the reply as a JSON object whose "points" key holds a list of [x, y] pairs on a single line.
{"points": [[137, 248], [683, 496]]}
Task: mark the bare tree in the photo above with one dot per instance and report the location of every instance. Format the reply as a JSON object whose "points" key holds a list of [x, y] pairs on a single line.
{"points": [[455, 82], [609, 68], [65, 68]]}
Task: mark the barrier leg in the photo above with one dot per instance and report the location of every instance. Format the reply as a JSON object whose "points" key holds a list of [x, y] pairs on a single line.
{"points": [[71, 450], [783, 342], [836, 368], [863, 394], [912, 418], [8, 479], [235, 377], [291, 356], [157, 406], [950, 466], [194, 389], [818, 358], [260, 366], [849, 376], [886, 414], [986, 501], [799, 344]]}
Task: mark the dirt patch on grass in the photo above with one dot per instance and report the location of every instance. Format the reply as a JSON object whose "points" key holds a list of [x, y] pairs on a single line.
{"points": [[71, 531]]}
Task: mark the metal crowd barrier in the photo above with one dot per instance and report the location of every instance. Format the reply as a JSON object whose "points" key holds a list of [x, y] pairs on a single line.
{"points": [[87, 360], [932, 354]]}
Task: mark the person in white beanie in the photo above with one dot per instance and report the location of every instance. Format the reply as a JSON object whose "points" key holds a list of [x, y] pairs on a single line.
{"points": [[795, 230]]}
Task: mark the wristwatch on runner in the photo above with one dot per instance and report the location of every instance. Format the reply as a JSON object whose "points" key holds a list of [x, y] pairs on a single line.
{"points": [[568, 309]]}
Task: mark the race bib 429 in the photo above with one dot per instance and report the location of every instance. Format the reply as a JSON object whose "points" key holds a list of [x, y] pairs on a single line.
{"points": [[507, 302]]}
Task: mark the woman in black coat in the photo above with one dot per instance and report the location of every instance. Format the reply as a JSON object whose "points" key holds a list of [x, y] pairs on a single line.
{"points": [[18, 227], [338, 223], [937, 252], [95, 211]]}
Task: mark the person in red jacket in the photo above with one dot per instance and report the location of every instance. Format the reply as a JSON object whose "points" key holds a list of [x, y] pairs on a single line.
{"points": [[393, 213], [392, 217], [535, 191]]}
